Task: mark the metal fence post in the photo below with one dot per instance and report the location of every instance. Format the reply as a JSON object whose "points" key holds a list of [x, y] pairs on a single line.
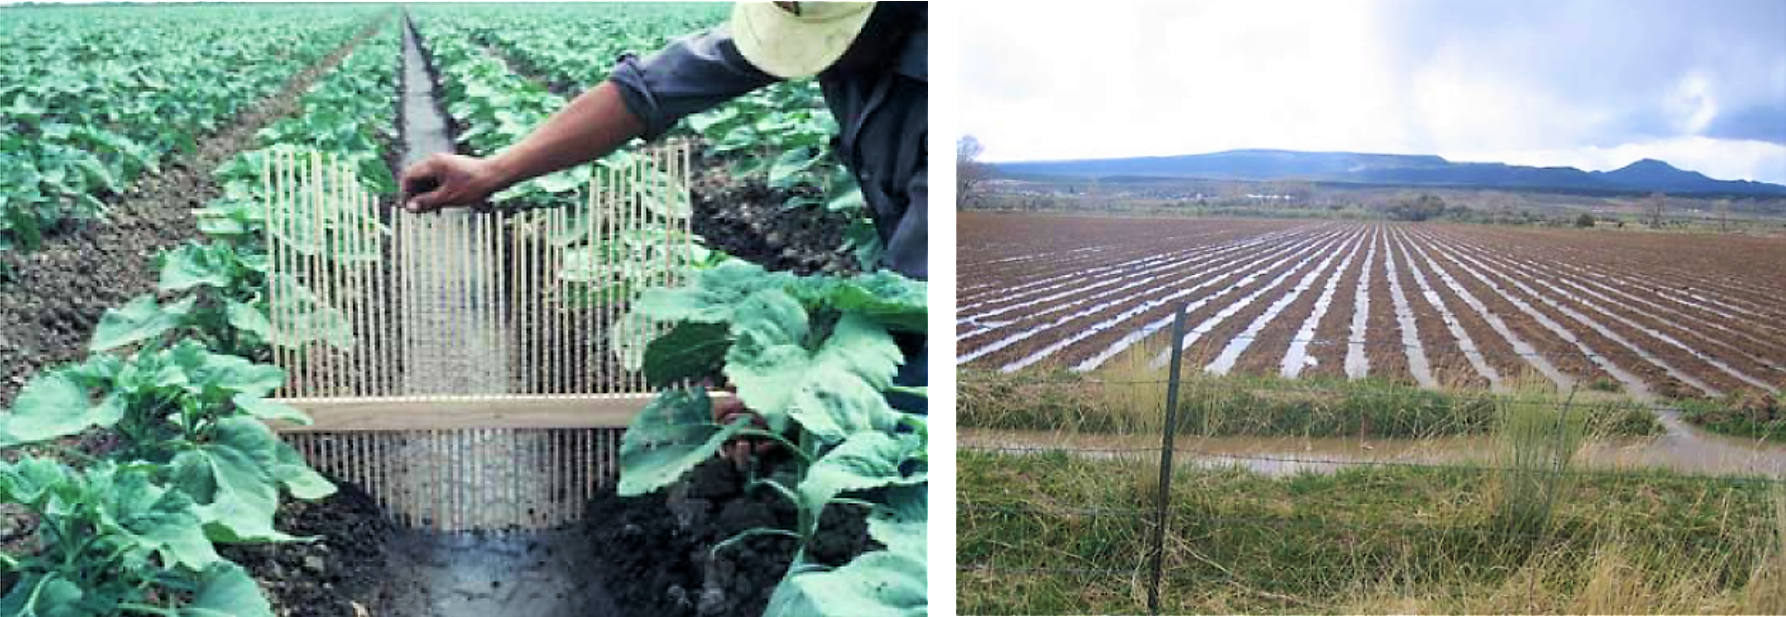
{"points": [[1166, 446]]}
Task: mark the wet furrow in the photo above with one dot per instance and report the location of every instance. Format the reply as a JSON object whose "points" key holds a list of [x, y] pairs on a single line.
{"points": [[1357, 361], [1090, 289], [1298, 357], [1240, 343], [1522, 349], [1681, 264], [1593, 303], [1138, 306], [1029, 282], [1743, 343], [1210, 323], [1634, 385], [1110, 342], [1460, 338], [1418, 365]]}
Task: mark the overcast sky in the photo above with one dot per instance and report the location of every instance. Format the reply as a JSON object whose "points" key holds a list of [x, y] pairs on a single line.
{"points": [[1592, 84]]}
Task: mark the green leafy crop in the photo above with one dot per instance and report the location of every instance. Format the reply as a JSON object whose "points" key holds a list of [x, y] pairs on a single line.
{"points": [[815, 357], [114, 541], [195, 417]]}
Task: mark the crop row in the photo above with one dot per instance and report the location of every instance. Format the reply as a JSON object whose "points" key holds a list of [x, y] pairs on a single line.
{"points": [[91, 99], [135, 528]]}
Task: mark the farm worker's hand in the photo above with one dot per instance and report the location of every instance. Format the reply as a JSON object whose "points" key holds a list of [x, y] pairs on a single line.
{"points": [[591, 126], [444, 180], [740, 451]]}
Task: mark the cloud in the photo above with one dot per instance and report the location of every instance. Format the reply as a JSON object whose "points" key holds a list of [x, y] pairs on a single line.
{"points": [[1553, 82]]}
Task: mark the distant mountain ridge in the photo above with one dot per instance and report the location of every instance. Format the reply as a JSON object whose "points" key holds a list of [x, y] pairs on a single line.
{"points": [[1647, 175]]}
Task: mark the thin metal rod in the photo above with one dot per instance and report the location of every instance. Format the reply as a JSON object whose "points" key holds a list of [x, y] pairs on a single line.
{"points": [[1163, 499]]}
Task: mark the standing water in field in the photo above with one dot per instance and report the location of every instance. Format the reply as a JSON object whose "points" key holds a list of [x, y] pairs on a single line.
{"points": [[1681, 448]]}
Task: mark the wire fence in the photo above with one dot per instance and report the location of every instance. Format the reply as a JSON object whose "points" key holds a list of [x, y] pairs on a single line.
{"points": [[1153, 521]]}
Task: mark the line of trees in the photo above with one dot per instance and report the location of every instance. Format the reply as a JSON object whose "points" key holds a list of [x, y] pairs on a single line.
{"points": [[970, 172]]}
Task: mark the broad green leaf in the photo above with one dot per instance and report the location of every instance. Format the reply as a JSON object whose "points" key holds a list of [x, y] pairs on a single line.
{"points": [[192, 265], [26, 481], [209, 373], [236, 497], [668, 438], [831, 393], [902, 519], [864, 349], [862, 461], [791, 163], [887, 297], [54, 405], [245, 317], [138, 320], [876, 584], [40, 595], [296, 475], [282, 464], [228, 591], [158, 519], [713, 296], [690, 351], [847, 201], [269, 410]]}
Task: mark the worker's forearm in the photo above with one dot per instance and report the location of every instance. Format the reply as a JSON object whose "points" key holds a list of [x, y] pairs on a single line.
{"points": [[591, 126]]}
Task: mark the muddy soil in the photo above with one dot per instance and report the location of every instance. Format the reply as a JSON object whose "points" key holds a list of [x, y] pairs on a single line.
{"points": [[1211, 344], [57, 294], [1444, 352], [1266, 355], [1329, 345], [746, 219], [1658, 379], [656, 555], [1385, 347], [336, 575], [1567, 358], [1097, 342], [1495, 351], [1566, 352], [1606, 304]]}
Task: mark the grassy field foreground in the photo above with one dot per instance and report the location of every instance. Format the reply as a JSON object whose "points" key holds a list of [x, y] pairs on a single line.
{"points": [[1054, 533]]}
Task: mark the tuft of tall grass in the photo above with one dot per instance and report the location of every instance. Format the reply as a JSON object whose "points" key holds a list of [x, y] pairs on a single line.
{"points": [[1538, 437]]}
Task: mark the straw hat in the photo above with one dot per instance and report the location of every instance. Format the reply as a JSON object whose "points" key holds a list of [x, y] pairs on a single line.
{"points": [[791, 40]]}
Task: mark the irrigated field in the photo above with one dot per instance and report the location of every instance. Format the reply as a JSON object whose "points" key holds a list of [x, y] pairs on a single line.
{"points": [[1651, 315]]}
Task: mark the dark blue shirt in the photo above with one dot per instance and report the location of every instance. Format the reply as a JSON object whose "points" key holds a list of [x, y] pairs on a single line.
{"points": [[878, 92]]}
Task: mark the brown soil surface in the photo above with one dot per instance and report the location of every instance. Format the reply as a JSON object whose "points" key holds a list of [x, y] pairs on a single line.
{"points": [[1383, 338], [1712, 293], [1444, 354], [1265, 355], [1329, 345], [331, 576]]}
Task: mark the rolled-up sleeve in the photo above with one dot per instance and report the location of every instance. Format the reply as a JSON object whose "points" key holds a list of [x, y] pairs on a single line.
{"points": [[690, 75]]}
